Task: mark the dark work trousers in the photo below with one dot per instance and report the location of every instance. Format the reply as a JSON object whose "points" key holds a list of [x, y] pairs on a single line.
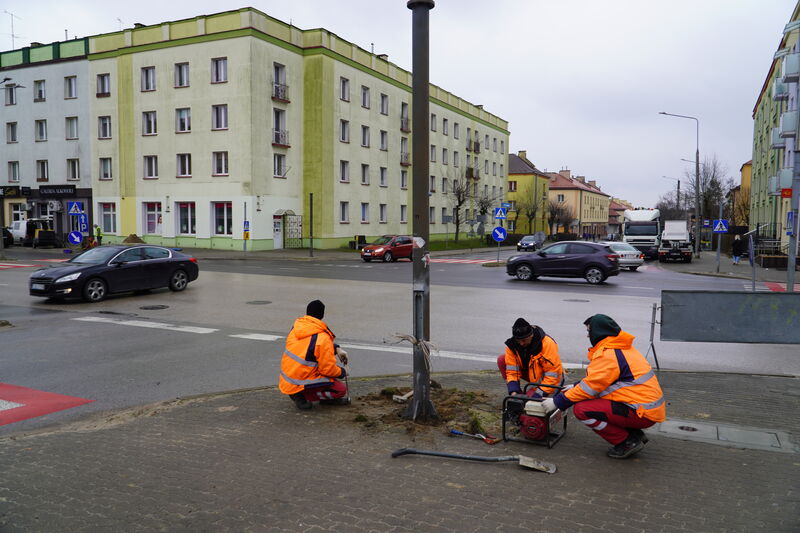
{"points": [[609, 419], [337, 389], [501, 364]]}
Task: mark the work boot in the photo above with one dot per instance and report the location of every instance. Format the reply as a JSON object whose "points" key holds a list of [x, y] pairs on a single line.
{"points": [[337, 401], [638, 433], [625, 449], [300, 401]]}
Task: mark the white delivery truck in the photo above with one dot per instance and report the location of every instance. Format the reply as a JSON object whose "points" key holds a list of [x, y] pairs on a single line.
{"points": [[675, 242], [642, 230]]}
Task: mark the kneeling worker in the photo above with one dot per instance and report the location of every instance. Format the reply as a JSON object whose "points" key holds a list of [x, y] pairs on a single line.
{"points": [[531, 355], [309, 370], [620, 394]]}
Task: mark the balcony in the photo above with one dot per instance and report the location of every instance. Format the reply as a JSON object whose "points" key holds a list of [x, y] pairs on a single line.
{"points": [[788, 126], [469, 145], [280, 92], [405, 159], [790, 69], [785, 178], [280, 138], [778, 142], [473, 173], [779, 90], [405, 124]]}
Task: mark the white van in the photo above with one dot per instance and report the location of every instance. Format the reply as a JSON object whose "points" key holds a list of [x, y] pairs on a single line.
{"points": [[24, 231]]}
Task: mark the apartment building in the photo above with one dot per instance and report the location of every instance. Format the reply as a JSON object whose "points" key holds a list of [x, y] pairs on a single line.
{"points": [[46, 145], [589, 204], [528, 191]]}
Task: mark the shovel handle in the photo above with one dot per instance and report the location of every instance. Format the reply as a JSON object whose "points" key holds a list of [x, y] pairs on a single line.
{"points": [[407, 451]]}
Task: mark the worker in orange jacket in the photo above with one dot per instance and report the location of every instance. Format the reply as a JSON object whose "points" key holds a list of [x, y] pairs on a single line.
{"points": [[620, 394], [309, 369]]}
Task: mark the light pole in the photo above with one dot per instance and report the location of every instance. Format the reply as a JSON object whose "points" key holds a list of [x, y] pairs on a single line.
{"points": [[696, 182], [678, 198]]}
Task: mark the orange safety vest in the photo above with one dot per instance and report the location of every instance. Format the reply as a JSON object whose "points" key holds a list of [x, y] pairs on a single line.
{"points": [[618, 372], [543, 367], [309, 358]]}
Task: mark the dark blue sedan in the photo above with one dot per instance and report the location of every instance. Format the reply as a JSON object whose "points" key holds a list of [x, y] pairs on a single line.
{"points": [[100, 271]]}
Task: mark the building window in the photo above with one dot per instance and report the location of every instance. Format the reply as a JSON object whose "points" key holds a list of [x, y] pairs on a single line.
{"points": [[150, 166], [486, 166], [456, 159], [219, 163], [223, 218], [344, 212], [502, 146], [486, 191], [433, 153], [365, 136], [152, 218], [344, 171], [364, 174], [280, 91], [444, 185], [73, 170], [186, 218], [13, 171], [108, 217], [11, 95], [105, 168], [432, 186], [103, 127], [219, 70], [280, 135], [433, 121], [42, 170], [494, 144], [39, 94], [456, 130], [444, 215], [384, 140], [405, 125], [502, 170], [384, 104], [444, 156], [365, 96], [560, 198], [344, 89], [219, 117], [149, 123], [148, 78], [404, 156], [70, 87], [344, 131], [11, 132], [279, 169], [494, 168], [18, 212], [71, 128], [431, 215], [384, 178], [403, 213], [444, 126], [104, 85], [512, 186], [184, 165], [364, 213], [41, 130], [181, 74], [183, 120], [382, 213], [486, 142], [404, 179]]}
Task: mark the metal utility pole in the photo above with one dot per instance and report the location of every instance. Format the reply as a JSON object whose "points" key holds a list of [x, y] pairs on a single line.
{"points": [[420, 406], [791, 262]]}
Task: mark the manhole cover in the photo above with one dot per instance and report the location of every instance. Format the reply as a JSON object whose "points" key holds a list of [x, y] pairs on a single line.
{"points": [[687, 428], [153, 307], [575, 300], [259, 302]]}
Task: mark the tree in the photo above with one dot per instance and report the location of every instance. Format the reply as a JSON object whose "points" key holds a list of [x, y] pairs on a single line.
{"points": [[459, 197], [740, 207], [668, 206], [714, 185], [529, 205], [558, 214]]}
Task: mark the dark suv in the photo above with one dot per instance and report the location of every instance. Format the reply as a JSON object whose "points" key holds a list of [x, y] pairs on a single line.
{"points": [[569, 259]]}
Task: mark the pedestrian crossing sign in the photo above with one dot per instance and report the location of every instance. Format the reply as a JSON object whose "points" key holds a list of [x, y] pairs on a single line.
{"points": [[75, 208], [720, 226], [499, 213]]}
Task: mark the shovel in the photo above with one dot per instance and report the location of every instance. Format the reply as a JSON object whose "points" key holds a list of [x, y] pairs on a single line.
{"points": [[488, 439], [527, 462]]}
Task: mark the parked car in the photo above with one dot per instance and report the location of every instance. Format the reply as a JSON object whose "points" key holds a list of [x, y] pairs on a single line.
{"points": [[8, 239], [103, 270], [26, 232], [388, 248], [569, 259], [528, 243], [629, 257]]}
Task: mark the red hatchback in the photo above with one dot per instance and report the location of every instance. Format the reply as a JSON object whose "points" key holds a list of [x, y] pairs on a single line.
{"points": [[388, 248]]}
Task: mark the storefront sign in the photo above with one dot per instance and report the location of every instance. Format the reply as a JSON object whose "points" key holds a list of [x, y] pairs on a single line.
{"points": [[11, 191], [56, 190]]}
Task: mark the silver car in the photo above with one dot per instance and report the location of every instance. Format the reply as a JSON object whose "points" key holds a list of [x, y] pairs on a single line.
{"points": [[629, 257]]}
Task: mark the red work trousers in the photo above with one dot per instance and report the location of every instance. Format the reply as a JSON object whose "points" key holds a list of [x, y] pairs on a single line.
{"points": [[337, 389], [609, 419]]}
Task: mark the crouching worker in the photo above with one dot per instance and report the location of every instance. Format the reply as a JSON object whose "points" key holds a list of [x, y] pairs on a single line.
{"points": [[309, 370], [620, 394]]}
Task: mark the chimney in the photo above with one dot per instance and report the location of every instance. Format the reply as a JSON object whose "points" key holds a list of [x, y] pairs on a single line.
{"points": [[582, 179], [523, 154], [565, 172], [138, 25], [35, 44], [593, 183], [385, 57]]}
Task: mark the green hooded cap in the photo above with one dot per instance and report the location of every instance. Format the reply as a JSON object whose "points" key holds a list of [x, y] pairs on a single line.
{"points": [[600, 327]]}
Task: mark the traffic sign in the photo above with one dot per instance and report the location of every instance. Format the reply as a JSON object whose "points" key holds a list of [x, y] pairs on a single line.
{"points": [[499, 234], [706, 223], [506, 205], [246, 225], [720, 225], [790, 223], [75, 208], [246, 235], [75, 237], [499, 213], [83, 222]]}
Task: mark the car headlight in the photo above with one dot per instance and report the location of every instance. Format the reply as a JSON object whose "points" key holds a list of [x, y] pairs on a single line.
{"points": [[69, 277], [378, 250]]}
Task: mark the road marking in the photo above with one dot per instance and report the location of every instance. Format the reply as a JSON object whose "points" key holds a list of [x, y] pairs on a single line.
{"points": [[53, 260], [144, 324], [4, 266], [5, 405], [464, 261], [20, 403], [257, 337]]}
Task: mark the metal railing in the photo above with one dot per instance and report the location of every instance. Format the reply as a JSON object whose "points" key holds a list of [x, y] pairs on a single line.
{"points": [[405, 158], [280, 137], [405, 124], [280, 91]]}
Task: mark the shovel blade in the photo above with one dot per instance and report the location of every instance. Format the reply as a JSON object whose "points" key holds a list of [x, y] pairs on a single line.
{"points": [[536, 464]]}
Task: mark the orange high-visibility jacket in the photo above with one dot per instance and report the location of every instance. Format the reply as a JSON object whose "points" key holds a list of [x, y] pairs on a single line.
{"points": [[543, 367], [618, 372], [309, 358]]}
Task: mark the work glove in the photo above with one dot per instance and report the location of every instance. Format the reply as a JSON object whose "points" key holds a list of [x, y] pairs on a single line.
{"points": [[342, 355], [567, 387], [549, 404]]}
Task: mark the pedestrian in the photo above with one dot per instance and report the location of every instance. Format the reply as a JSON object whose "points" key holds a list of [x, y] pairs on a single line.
{"points": [[738, 249], [98, 235], [620, 394], [309, 370]]}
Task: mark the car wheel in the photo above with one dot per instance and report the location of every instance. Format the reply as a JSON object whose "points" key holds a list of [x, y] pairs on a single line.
{"points": [[366, 259], [95, 290], [633, 269], [594, 275], [388, 257], [178, 281], [524, 272]]}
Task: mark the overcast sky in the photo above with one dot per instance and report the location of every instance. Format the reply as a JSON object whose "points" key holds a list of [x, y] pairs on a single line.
{"points": [[581, 82]]}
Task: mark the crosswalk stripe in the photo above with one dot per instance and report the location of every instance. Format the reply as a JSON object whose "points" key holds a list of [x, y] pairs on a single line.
{"points": [[4, 266], [257, 337], [146, 324]]}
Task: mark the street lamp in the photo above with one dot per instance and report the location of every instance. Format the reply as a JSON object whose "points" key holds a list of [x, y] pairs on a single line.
{"points": [[696, 182], [678, 200]]}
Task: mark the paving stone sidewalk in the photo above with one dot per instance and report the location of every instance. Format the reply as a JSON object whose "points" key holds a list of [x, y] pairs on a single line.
{"points": [[250, 461]]}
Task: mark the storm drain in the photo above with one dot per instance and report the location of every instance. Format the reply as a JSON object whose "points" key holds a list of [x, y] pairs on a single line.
{"points": [[154, 307], [259, 302], [726, 435]]}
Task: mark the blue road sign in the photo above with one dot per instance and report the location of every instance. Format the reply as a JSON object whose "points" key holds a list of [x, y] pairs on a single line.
{"points": [[790, 223], [83, 222], [750, 252], [706, 223], [246, 225], [75, 208], [499, 213], [720, 225], [505, 205], [75, 237], [499, 234]]}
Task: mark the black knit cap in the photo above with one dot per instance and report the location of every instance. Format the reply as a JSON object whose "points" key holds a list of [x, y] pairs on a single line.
{"points": [[316, 309], [521, 329]]}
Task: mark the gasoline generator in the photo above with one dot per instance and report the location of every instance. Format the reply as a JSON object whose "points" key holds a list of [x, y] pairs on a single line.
{"points": [[525, 419]]}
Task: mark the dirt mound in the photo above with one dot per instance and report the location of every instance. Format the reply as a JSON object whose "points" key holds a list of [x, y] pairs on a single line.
{"points": [[133, 239]]}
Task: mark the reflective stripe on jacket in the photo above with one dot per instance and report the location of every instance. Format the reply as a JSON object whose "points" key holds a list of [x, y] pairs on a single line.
{"points": [[309, 358], [618, 372], [544, 367]]}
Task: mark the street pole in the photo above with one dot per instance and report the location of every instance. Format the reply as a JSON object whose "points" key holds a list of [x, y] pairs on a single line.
{"points": [[311, 224], [719, 237], [420, 406]]}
